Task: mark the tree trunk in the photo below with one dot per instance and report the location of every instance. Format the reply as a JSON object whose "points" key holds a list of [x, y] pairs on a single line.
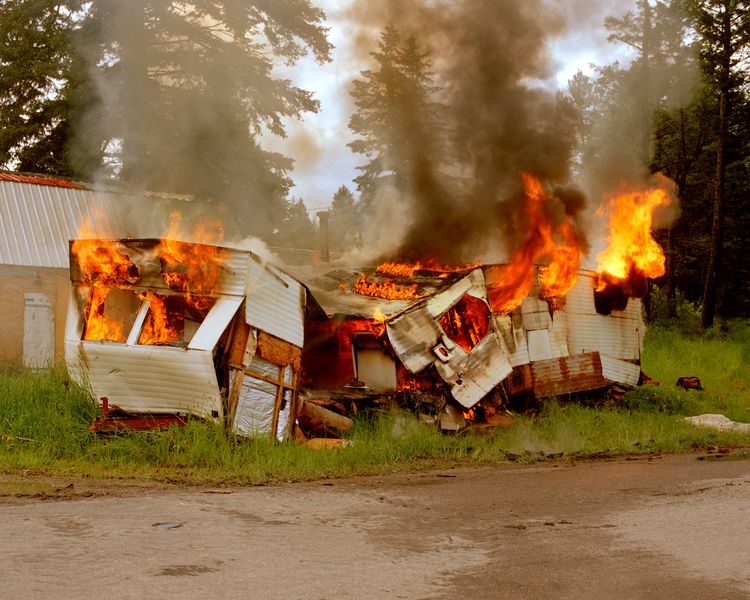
{"points": [[717, 227]]}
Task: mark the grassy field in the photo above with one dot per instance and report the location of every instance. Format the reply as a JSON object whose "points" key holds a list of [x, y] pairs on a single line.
{"points": [[44, 420]]}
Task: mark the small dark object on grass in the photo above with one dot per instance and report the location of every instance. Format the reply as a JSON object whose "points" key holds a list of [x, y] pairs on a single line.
{"points": [[689, 383]]}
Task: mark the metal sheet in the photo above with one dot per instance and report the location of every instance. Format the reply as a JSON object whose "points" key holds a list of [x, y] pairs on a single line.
{"points": [[614, 336], [415, 332], [37, 221], [216, 321], [478, 371], [539, 345], [620, 371], [535, 313], [143, 379], [557, 333], [509, 329], [413, 335], [580, 299], [275, 303], [567, 375]]}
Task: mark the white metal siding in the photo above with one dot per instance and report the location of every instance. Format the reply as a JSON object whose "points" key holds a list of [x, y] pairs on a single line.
{"points": [[275, 303], [620, 371], [145, 379]]}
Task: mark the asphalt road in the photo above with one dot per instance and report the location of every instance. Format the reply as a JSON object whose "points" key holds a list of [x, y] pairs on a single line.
{"points": [[671, 527]]}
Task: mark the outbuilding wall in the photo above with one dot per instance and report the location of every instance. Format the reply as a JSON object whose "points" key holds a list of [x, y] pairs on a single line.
{"points": [[17, 281]]}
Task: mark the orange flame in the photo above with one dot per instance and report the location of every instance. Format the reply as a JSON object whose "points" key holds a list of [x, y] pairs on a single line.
{"points": [[386, 289], [560, 245], [98, 325], [395, 269], [193, 269], [102, 266], [161, 326], [632, 251]]}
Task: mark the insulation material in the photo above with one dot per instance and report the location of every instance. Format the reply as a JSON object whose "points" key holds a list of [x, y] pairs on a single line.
{"points": [[620, 371], [255, 407], [38, 332], [282, 429]]}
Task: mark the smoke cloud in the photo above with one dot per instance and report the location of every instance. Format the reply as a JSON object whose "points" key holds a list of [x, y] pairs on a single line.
{"points": [[492, 64]]}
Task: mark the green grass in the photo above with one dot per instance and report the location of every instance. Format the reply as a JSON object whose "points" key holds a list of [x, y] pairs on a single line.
{"points": [[44, 421]]}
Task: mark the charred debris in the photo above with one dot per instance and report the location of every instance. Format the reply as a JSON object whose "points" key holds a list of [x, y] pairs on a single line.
{"points": [[167, 330]]}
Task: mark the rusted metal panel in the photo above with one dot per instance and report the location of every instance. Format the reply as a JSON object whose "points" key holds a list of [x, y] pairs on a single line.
{"points": [[275, 302], [620, 371], [567, 375], [520, 381]]}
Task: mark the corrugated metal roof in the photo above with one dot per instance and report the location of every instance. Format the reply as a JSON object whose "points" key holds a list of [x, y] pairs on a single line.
{"points": [[37, 221], [42, 180], [40, 215]]}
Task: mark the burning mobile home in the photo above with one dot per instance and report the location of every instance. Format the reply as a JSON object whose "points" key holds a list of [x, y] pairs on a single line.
{"points": [[456, 325], [172, 328]]}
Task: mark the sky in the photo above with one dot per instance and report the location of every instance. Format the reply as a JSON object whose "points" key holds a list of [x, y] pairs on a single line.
{"points": [[317, 143]]}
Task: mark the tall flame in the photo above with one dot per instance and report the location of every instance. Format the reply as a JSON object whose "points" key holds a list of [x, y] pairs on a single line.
{"points": [[632, 251], [560, 245], [194, 269], [102, 266]]}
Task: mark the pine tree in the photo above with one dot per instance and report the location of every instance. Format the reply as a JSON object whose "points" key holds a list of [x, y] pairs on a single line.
{"points": [[724, 30], [397, 117], [43, 85]]}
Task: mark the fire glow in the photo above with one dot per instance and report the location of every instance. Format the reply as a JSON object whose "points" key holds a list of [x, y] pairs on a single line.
{"points": [[398, 269], [191, 272], [632, 254], [388, 290], [559, 244]]}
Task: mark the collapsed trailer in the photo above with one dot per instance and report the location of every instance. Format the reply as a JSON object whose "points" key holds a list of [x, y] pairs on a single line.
{"points": [[400, 334]]}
